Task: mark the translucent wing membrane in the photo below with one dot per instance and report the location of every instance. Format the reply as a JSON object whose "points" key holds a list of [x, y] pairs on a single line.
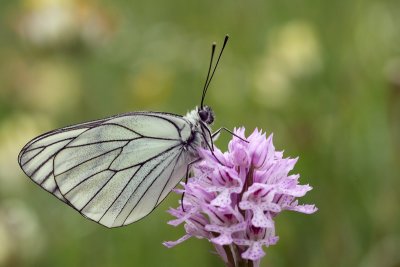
{"points": [[114, 171]]}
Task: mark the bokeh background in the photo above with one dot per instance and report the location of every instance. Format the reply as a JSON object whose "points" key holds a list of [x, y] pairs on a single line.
{"points": [[323, 76]]}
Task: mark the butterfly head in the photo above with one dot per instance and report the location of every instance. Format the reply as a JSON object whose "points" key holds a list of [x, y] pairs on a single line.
{"points": [[206, 115]]}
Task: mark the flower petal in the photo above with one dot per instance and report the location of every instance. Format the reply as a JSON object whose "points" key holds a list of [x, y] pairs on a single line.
{"points": [[260, 219], [254, 252], [170, 244], [307, 209], [223, 199]]}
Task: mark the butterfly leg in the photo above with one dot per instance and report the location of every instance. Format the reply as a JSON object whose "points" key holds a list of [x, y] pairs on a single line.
{"points": [[211, 148], [187, 177], [209, 134], [217, 132]]}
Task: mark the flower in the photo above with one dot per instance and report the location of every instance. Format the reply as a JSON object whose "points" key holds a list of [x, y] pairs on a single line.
{"points": [[233, 198]]}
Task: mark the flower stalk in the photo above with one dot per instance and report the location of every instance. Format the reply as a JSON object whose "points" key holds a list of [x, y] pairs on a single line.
{"points": [[233, 197]]}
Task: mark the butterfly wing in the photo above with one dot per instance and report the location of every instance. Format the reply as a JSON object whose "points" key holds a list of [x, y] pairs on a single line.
{"points": [[114, 171], [36, 158]]}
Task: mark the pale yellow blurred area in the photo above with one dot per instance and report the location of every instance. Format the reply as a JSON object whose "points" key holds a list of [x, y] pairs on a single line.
{"points": [[292, 52], [151, 86], [59, 22], [15, 132], [21, 237], [48, 86], [377, 34], [5, 240]]}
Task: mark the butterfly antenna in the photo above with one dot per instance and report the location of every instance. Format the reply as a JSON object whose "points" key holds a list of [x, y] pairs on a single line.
{"points": [[208, 81], [208, 74]]}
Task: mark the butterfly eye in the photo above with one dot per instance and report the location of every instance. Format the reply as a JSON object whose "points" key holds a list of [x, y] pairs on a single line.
{"points": [[203, 115], [206, 115]]}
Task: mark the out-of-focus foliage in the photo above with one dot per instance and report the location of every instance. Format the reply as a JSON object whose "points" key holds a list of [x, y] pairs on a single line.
{"points": [[324, 76]]}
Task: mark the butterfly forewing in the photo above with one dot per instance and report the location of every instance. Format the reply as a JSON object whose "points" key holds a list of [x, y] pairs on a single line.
{"points": [[114, 171]]}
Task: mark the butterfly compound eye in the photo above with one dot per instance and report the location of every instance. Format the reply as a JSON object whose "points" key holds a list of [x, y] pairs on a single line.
{"points": [[203, 114], [206, 115]]}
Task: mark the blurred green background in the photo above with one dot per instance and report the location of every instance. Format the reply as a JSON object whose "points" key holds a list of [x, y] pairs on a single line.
{"points": [[324, 76]]}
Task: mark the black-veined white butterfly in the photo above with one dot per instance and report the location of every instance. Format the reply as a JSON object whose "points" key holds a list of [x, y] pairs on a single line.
{"points": [[115, 171]]}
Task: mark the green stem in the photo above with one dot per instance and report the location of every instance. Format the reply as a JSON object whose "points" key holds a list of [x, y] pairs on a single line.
{"points": [[229, 256], [247, 184], [236, 253], [239, 261]]}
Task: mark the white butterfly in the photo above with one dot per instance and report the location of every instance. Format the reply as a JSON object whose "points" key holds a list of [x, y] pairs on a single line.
{"points": [[116, 170]]}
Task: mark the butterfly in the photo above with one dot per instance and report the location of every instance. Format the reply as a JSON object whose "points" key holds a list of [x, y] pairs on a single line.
{"points": [[117, 170]]}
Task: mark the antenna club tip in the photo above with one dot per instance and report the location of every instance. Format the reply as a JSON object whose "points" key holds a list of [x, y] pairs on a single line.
{"points": [[226, 39]]}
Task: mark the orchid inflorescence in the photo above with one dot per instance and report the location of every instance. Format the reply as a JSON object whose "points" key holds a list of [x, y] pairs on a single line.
{"points": [[233, 197]]}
